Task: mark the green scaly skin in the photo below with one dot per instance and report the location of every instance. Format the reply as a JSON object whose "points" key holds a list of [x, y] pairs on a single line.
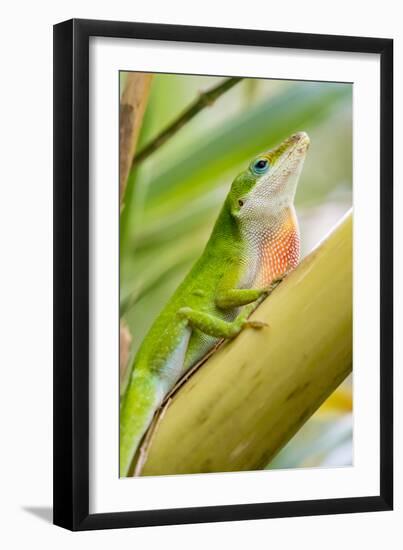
{"points": [[255, 241]]}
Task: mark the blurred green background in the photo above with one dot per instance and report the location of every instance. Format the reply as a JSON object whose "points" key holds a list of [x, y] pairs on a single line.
{"points": [[174, 196]]}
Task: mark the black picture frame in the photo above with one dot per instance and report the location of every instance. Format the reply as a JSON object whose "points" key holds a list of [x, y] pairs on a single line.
{"points": [[71, 274]]}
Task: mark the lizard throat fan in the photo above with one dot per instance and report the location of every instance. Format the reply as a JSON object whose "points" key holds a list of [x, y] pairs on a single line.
{"points": [[262, 204]]}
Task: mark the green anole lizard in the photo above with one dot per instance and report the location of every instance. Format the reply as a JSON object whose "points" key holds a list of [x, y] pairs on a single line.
{"points": [[255, 241]]}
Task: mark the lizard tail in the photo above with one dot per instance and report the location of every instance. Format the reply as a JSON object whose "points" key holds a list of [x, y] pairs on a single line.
{"points": [[141, 400]]}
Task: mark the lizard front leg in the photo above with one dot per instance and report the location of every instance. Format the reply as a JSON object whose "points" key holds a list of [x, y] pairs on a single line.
{"points": [[236, 297], [214, 326]]}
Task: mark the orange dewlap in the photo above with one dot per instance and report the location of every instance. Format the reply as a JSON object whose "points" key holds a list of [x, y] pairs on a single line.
{"points": [[280, 251]]}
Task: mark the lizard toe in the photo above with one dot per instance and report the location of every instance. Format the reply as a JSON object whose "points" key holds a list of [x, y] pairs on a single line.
{"points": [[256, 324]]}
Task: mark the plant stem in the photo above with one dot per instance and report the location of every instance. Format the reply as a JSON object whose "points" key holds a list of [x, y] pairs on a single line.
{"points": [[247, 401], [206, 99], [132, 108]]}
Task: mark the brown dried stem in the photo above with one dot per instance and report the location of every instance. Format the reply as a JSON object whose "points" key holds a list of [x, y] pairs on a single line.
{"points": [[132, 107]]}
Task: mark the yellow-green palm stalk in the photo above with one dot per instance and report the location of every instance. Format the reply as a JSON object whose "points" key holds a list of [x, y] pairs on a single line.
{"points": [[251, 397]]}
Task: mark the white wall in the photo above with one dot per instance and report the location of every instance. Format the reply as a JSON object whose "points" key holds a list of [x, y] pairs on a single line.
{"points": [[25, 289]]}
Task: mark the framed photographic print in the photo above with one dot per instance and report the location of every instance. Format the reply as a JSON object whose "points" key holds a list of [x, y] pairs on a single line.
{"points": [[223, 317]]}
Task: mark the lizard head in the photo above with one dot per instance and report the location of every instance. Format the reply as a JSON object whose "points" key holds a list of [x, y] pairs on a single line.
{"points": [[261, 202], [270, 182]]}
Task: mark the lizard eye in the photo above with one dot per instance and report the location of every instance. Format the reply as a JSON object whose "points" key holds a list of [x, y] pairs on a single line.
{"points": [[240, 202], [260, 166]]}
